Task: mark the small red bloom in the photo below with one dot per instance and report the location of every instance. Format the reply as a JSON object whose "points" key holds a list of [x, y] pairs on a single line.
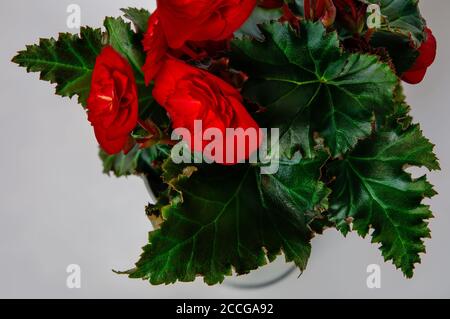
{"points": [[200, 20], [427, 55], [113, 103], [190, 94]]}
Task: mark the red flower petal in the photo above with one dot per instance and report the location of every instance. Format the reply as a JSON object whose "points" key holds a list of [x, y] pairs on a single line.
{"points": [[189, 94], [414, 77], [112, 104], [200, 20], [155, 45], [427, 51], [427, 55]]}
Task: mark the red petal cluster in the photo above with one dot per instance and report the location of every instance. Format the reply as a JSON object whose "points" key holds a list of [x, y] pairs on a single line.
{"points": [[113, 102], [177, 23], [180, 28], [427, 55], [189, 94]]}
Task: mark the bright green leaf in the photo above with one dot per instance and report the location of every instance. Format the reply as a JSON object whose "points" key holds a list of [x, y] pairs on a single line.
{"points": [[371, 190], [125, 41], [309, 85], [137, 161], [68, 61], [139, 17]]}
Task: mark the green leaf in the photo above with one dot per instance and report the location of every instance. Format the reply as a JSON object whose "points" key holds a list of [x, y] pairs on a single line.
{"points": [[222, 218], [308, 84], [137, 161], [139, 17], [400, 118], [125, 41], [402, 16], [296, 187], [401, 32], [372, 190], [150, 109], [257, 18], [398, 47], [68, 61]]}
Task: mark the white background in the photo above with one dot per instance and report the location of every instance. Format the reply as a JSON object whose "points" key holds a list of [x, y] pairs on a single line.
{"points": [[56, 207]]}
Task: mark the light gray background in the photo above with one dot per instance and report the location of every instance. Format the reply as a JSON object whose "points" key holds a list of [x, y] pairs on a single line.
{"points": [[56, 207]]}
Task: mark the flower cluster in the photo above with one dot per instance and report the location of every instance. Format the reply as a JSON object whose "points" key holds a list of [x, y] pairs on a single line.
{"points": [[180, 32], [176, 29]]}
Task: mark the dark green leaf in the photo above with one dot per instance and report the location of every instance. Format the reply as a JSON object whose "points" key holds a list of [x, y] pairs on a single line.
{"points": [[258, 17], [398, 48], [223, 218], [68, 61], [150, 109], [124, 40], [372, 190], [139, 17], [309, 85], [296, 187], [402, 16], [137, 161], [401, 32], [400, 119]]}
